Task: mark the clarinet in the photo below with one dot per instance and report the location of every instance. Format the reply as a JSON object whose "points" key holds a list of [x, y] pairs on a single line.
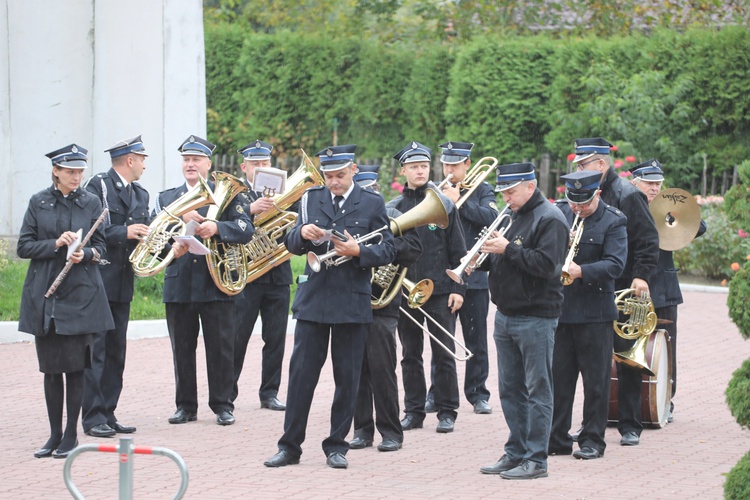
{"points": [[69, 263]]}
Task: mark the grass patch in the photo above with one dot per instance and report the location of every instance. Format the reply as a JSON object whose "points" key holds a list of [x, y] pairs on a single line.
{"points": [[12, 275]]}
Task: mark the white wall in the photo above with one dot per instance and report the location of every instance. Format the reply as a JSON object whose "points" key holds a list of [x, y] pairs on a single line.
{"points": [[94, 72]]}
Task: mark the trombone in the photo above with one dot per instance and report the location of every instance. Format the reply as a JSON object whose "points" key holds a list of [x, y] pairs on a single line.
{"points": [[475, 176]]}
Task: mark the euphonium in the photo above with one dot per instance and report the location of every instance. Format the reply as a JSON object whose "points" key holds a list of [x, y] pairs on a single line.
{"points": [[146, 256], [474, 177], [577, 230], [226, 262], [474, 257], [640, 325], [267, 249]]}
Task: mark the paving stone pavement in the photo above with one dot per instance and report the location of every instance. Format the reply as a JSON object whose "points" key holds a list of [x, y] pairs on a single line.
{"points": [[687, 459]]}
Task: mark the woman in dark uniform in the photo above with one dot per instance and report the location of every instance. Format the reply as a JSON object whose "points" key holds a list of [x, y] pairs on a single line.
{"points": [[64, 323]]}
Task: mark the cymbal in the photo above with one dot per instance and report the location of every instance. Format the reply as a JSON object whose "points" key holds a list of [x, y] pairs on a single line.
{"points": [[677, 216]]}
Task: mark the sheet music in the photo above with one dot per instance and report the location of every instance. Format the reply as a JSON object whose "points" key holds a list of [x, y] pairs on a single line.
{"points": [[76, 243]]}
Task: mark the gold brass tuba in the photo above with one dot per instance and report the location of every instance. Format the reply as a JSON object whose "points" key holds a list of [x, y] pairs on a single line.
{"points": [[640, 324], [226, 262], [474, 177], [267, 249], [146, 256], [577, 230]]}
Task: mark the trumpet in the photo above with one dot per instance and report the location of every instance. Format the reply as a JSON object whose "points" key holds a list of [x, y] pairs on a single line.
{"points": [[577, 229], [316, 261], [474, 258], [467, 352]]}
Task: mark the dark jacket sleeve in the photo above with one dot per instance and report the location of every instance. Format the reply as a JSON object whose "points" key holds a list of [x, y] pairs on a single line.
{"points": [[614, 255], [642, 234], [480, 209], [541, 258], [408, 248]]}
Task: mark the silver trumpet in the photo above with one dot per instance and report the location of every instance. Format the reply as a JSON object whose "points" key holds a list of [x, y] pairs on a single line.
{"points": [[467, 352], [316, 261], [475, 257]]}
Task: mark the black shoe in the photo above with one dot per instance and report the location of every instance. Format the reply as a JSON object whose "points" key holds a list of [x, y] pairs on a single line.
{"points": [[482, 407], [58, 453], [445, 425], [45, 452], [429, 406], [224, 417], [182, 417], [122, 429], [630, 439], [670, 417], [358, 443], [574, 435], [410, 422], [101, 431], [337, 460], [504, 464], [273, 404], [527, 470], [389, 444], [587, 453], [559, 451], [281, 459]]}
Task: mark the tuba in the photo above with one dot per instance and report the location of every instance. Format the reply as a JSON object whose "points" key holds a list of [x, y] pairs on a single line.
{"points": [[640, 324], [267, 249], [577, 229], [146, 257], [226, 262], [474, 177]]}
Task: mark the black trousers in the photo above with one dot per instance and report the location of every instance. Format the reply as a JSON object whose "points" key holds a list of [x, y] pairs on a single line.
{"points": [[670, 313], [629, 381], [217, 322], [412, 367], [309, 355], [378, 382], [103, 381], [272, 303], [585, 349]]}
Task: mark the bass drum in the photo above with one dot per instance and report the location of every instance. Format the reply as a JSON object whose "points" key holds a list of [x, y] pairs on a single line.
{"points": [[656, 391]]}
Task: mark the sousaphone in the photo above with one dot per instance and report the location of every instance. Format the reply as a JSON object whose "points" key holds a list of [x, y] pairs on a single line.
{"points": [[677, 216]]}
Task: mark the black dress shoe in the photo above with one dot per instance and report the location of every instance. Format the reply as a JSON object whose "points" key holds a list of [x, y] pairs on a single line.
{"points": [[101, 431], [44, 452], [337, 460], [224, 417], [390, 444], [445, 425], [122, 429], [630, 439], [58, 453], [273, 404], [281, 459], [504, 464], [482, 407], [358, 443], [429, 406], [410, 422], [182, 417], [527, 470], [587, 453], [574, 435]]}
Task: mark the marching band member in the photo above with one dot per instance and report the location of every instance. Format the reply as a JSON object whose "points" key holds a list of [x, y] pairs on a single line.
{"points": [[447, 247], [332, 303], [525, 266], [592, 154], [583, 339], [63, 324], [127, 221]]}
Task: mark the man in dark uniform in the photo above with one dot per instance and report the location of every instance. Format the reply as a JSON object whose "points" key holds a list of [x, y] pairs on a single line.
{"points": [[332, 303], [190, 297], [446, 248], [664, 284], [478, 211], [525, 265], [378, 381], [267, 296], [583, 339], [126, 222], [592, 154]]}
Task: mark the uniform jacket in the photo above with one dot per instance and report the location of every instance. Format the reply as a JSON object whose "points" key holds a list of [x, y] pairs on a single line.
{"points": [[643, 239], [79, 305], [477, 212], [602, 252], [118, 274], [340, 294], [187, 279], [525, 280], [664, 286], [445, 247]]}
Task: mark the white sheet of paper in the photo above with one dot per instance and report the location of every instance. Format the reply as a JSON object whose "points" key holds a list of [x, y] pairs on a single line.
{"points": [[74, 246], [273, 179], [190, 228], [194, 246]]}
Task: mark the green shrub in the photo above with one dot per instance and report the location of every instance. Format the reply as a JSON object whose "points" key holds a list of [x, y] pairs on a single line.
{"points": [[147, 298], [737, 300], [12, 276], [737, 484]]}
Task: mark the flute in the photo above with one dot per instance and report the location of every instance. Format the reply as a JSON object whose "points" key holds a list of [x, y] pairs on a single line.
{"points": [[69, 263]]}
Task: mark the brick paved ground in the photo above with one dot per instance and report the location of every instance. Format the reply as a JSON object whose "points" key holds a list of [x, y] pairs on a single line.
{"points": [[687, 459]]}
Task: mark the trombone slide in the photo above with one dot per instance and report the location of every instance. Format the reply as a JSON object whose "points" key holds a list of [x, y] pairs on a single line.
{"points": [[455, 356]]}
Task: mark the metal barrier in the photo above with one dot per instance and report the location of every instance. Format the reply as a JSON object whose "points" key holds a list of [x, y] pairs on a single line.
{"points": [[125, 449]]}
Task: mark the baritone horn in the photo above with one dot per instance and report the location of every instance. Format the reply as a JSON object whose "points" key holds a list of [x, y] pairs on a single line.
{"points": [[474, 257], [475, 176], [640, 324], [577, 230]]}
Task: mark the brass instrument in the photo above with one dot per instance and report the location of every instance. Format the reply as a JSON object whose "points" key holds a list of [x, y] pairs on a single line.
{"points": [[475, 176], [677, 216], [467, 352], [640, 324], [226, 262], [474, 257], [266, 249], [577, 230], [146, 256], [331, 258]]}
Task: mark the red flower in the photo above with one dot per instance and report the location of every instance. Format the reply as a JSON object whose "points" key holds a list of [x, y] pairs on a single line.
{"points": [[560, 189], [571, 156], [614, 148], [619, 163], [735, 266], [630, 159], [625, 173], [742, 234]]}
